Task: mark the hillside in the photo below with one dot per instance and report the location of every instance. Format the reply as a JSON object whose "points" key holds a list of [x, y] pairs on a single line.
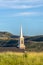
{"points": [[33, 43]]}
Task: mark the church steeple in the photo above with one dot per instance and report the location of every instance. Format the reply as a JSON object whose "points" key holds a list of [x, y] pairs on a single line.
{"points": [[21, 40]]}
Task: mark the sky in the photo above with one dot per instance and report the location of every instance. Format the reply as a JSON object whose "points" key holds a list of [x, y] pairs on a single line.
{"points": [[28, 13]]}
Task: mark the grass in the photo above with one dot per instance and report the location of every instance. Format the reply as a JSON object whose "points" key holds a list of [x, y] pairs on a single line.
{"points": [[13, 58]]}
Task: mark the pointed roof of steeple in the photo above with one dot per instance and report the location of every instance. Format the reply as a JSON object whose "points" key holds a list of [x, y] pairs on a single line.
{"points": [[21, 33]]}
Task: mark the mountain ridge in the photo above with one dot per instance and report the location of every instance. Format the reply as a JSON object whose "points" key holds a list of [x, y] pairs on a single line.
{"points": [[32, 43]]}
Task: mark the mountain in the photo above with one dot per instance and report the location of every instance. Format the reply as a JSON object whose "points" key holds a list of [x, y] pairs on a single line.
{"points": [[33, 43], [35, 38]]}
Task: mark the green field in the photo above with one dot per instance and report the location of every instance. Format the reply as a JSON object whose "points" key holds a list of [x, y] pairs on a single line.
{"points": [[30, 58]]}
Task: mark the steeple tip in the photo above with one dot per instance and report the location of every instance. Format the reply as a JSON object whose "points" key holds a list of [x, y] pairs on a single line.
{"points": [[21, 33]]}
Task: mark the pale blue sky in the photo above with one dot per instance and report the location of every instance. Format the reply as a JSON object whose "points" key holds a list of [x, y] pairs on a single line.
{"points": [[29, 13]]}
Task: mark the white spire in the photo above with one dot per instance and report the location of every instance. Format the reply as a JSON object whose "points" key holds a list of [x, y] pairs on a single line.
{"points": [[21, 34]]}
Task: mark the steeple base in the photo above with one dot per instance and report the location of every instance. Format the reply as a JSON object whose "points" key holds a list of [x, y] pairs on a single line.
{"points": [[21, 46]]}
